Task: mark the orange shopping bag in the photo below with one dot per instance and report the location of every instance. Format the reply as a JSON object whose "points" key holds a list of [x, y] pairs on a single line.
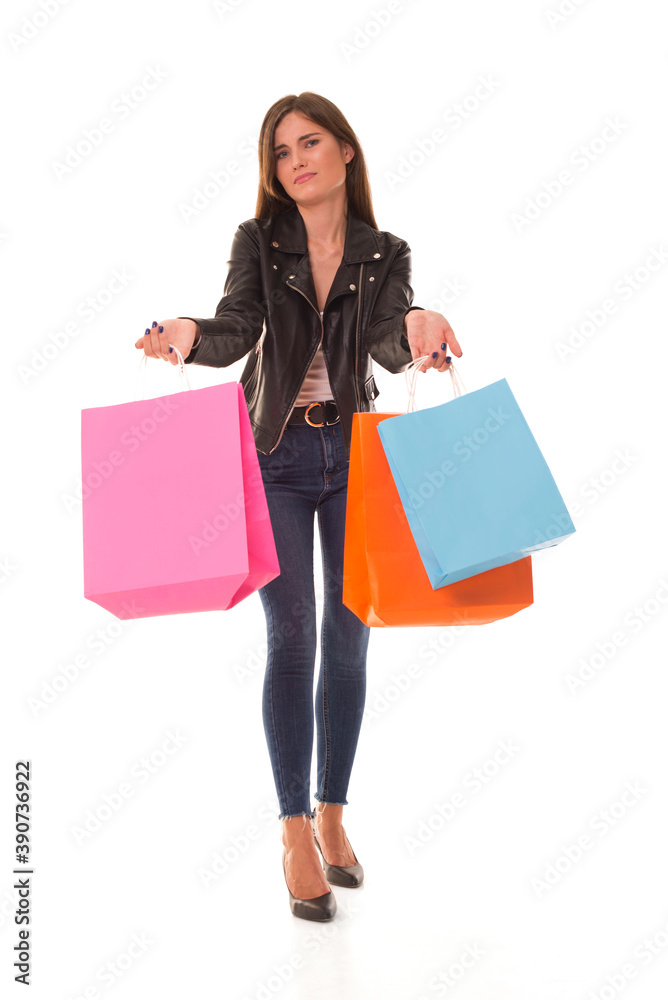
{"points": [[384, 579]]}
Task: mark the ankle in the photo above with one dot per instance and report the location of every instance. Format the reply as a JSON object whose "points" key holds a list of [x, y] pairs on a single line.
{"points": [[328, 815], [327, 822], [296, 830]]}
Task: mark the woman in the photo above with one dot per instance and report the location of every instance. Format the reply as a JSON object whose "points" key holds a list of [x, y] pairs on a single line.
{"points": [[314, 292]]}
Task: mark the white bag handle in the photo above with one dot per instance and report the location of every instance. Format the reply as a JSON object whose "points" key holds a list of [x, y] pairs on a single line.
{"points": [[142, 370], [412, 370]]}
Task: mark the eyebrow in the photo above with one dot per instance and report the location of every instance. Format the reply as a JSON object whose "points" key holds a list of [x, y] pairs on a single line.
{"points": [[301, 139]]}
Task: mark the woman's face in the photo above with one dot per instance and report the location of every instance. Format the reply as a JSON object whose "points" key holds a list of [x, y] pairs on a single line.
{"points": [[302, 147]]}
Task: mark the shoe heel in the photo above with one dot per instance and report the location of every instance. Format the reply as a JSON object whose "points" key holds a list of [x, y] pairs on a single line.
{"points": [[347, 876]]}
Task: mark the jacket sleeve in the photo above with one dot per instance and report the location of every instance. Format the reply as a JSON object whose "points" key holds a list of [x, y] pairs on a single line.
{"points": [[239, 319], [384, 339]]}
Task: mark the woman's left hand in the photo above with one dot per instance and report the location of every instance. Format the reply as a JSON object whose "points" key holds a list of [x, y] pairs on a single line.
{"points": [[429, 332]]}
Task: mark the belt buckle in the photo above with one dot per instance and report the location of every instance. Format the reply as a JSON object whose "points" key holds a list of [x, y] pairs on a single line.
{"points": [[322, 403], [330, 423], [310, 422]]}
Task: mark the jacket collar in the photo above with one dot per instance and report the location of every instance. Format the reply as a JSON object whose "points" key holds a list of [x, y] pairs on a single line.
{"points": [[361, 243]]}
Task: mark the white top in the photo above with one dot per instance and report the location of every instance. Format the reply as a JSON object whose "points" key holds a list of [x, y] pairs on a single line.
{"points": [[316, 381]]}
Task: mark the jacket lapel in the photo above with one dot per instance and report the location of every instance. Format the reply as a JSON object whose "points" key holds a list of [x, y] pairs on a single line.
{"points": [[289, 236]]}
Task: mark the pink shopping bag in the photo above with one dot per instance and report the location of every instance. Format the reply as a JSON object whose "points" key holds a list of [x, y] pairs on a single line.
{"points": [[175, 517]]}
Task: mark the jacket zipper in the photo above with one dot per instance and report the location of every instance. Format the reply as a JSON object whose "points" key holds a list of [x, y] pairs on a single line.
{"points": [[322, 333], [357, 330]]}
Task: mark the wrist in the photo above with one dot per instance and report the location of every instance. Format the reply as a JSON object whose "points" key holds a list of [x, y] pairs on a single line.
{"points": [[198, 331], [407, 314]]}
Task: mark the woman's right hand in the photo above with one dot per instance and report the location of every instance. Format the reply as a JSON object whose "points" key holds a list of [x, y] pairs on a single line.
{"points": [[182, 333]]}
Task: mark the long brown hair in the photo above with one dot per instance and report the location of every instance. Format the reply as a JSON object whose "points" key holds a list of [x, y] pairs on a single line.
{"points": [[271, 196]]}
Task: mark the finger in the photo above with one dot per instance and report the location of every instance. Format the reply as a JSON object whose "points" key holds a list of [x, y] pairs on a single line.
{"points": [[445, 359], [150, 344], [159, 336], [440, 363], [453, 343], [157, 342], [164, 346], [145, 340], [418, 354]]}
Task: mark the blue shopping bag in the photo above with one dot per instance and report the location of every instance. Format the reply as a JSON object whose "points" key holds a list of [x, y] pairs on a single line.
{"points": [[475, 488]]}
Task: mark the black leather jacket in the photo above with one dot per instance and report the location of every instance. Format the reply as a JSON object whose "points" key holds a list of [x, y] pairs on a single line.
{"points": [[270, 308]]}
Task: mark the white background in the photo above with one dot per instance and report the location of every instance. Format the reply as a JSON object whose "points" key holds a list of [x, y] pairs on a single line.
{"points": [[523, 291]]}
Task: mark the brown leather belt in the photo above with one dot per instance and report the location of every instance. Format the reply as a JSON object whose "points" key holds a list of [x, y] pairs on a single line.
{"points": [[318, 414]]}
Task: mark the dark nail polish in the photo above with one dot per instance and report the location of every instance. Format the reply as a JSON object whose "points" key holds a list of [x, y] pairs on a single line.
{"points": [[153, 324], [444, 347], [160, 329], [170, 350], [435, 354], [147, 332], [448, 358]]}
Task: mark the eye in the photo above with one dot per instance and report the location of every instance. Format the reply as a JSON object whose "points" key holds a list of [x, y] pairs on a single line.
{"points": [[280, 155]]}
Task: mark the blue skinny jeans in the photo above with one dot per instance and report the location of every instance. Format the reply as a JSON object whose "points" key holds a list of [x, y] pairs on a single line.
{"points": [[308, 472]]}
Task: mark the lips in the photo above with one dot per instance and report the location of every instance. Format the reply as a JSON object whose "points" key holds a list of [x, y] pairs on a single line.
{"points": [[302, 178]]}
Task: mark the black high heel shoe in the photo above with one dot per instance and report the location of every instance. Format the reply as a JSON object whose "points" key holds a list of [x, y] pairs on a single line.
{"points": [[348, 876], [317, 908]]}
